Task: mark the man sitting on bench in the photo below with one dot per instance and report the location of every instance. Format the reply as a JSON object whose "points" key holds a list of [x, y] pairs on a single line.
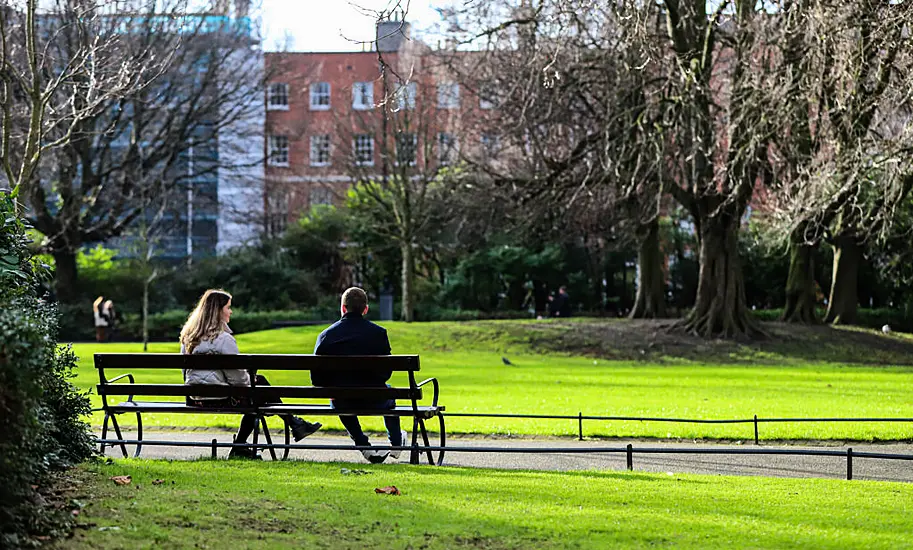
{"points": [[355, 335]]}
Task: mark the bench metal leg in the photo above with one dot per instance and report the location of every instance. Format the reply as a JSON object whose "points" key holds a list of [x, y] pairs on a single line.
{"points": [[443, 438], [123, 447], [269, 440], [104, 435], [288, 439], [256, 433], [139, 435], [421, 422], [413, 454]]}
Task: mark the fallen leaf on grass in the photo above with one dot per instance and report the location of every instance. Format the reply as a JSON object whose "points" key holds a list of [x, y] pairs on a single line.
{"points": [[121, 480], [391, 490], [158, 481]]}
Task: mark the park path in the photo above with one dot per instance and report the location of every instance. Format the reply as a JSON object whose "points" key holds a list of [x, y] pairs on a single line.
{"points": [[720, 464]]}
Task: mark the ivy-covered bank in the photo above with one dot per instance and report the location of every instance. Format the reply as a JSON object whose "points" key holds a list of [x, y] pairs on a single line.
{"points": [[41, 427]]}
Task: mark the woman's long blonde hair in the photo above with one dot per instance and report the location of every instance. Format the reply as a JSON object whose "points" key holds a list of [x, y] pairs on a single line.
{"points": [[205, 322], [97, 303]]}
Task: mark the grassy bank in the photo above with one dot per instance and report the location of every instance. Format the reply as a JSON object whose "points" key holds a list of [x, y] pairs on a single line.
{"points": [[598, 368], [304, 505]]}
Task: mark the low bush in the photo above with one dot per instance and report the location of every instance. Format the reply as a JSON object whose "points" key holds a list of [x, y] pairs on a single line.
{"points": [[41, 412]]}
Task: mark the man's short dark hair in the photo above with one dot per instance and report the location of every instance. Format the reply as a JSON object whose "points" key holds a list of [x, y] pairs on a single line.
{"points": [[562, 289], [355, 300]]}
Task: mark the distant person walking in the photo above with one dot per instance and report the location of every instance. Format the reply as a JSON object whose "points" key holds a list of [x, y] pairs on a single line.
{"points": [[101, 323], [110, 316]]}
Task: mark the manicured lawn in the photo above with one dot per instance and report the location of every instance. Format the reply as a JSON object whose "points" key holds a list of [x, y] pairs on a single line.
{"points": [[222, 504], [466, 358]]}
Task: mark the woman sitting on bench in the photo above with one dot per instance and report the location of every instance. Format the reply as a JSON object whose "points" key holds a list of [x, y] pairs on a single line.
{"points": [[207, 332]]}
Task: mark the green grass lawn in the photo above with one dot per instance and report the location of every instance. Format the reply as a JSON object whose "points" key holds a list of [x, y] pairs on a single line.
{"points": [[229, 504], [552, 374]]}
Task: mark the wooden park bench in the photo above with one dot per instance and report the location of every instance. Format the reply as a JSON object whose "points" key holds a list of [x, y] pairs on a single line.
{"points": [[147, 398]]}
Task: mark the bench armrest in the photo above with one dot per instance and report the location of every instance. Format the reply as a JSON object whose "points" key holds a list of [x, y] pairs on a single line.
{"points": [[437, 388], [127, 376]]}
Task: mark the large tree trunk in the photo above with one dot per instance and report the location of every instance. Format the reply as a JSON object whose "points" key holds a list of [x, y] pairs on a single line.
{"points": [[720, 308], [408, 276], [65, 275], [800, 285], [650, 302], [844, 300]]}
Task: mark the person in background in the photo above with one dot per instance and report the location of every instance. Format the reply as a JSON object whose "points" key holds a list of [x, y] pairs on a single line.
{"points": [[355, 335], [110, 315], [206, 332], [101, 324], [561, 303]]}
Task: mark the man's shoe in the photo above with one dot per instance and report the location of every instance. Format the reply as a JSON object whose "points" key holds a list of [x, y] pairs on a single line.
{"points": [[404, 438], [375, 457], [304, 429], [247, 453]]}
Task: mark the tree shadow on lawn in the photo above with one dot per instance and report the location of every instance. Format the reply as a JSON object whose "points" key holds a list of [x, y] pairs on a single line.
{"points": [[655, 341]]}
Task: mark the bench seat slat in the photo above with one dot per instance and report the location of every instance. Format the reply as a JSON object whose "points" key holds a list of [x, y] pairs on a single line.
{"points": [[257, 361], [259, 392], [177, 407]]}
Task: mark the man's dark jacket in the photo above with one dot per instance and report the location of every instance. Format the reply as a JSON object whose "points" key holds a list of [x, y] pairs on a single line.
{"points": [[352, 335]]}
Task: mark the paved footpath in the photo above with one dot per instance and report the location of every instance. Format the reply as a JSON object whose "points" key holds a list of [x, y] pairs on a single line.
{"points": [[722, 464]]}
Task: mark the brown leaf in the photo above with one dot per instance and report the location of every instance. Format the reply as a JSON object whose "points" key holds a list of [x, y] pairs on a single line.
{"points": [[391, 490], [158, 481], [121, 480]]}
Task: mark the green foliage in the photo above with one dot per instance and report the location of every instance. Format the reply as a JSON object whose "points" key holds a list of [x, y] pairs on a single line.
{"points": [[898, 320], [41, 411]]}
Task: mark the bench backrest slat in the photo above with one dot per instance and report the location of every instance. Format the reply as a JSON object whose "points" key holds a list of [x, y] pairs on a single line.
{"points": [[256, 361], [258, 392]]}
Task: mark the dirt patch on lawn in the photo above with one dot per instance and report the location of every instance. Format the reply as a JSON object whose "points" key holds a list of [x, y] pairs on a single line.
{"points": [[658, 341]]}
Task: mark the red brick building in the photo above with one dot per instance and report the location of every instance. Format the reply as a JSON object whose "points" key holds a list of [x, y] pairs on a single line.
{"points": [[336, 118]]}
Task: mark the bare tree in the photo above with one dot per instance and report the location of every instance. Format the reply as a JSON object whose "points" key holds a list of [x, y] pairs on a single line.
{"points": [[171, 81], [843, 166]]}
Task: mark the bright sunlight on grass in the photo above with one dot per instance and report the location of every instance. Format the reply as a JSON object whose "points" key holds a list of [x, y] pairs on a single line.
{"points": [[466, 358], [311, 505]]}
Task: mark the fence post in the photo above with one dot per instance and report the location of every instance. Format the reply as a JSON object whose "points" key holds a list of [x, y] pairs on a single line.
{"points": [[630, 457], [214, 455], [756, 429], [849, 463], [580, 425]]}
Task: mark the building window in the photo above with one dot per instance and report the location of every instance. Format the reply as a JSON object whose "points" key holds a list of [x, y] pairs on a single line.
{"points": [[320, 96], [491, 144], [277, 97], [277, 220], [487, 96], [364, 150], [405, 95], [320, 150], [278, 150], [446, 148], [406, 145], [363, 96], [320, 195], [448, 95]]}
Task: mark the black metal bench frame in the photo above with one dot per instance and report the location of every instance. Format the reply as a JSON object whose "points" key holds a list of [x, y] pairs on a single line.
{"points": [[396, 363]]}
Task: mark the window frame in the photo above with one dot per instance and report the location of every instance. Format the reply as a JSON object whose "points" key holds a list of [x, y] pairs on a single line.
{"points": [[414, 160], [270, 96], [273, 148], [406, 95], [355, 150], [369, 96], [314, 93], [452, 97], [312, 143], [442, 158]]}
